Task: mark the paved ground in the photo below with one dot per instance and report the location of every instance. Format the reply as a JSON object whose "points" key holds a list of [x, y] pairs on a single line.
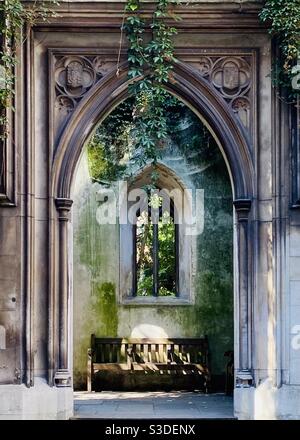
{"points": [[147, 405]]}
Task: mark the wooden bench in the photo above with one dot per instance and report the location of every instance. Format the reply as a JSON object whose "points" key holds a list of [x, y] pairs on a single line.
{"points": [[133, 364]]}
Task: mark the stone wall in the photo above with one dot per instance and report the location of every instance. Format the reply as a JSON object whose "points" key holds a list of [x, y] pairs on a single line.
{"points": [[97, 307], [254, 133]]}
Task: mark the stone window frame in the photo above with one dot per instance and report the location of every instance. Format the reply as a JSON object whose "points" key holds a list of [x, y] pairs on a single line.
{"points": [[186, 247]]}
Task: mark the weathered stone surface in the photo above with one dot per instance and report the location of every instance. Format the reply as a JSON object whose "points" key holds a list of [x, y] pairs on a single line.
{"points": [[40, 402], [100, 303], [295, 268], [32, 268], [295, 293], [294, 242]]}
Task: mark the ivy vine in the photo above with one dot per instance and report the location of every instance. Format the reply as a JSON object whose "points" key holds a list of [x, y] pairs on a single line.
{"points": [[14, 16], [150, 63], [283, 17], [151, 67]]}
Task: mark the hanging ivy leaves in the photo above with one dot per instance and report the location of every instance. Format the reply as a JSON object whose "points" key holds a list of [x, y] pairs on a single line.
{"points": [[151, 67], [284, 19], [14, 16]]}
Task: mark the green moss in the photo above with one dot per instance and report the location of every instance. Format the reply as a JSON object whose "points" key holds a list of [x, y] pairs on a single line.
{"points": [[106, 309], [197, 161], [98, 316], [95, 303]]}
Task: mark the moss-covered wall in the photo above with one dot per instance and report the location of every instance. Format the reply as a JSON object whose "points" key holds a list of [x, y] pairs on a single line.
{"points": [[96, 262]]}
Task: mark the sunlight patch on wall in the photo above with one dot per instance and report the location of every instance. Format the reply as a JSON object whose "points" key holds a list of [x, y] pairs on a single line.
{"points": [[148, 331]]}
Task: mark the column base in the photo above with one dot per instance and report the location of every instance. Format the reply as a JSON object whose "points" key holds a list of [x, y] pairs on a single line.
{"points": [[266, 402], [244, 379], [62, 378], [40, 402]]}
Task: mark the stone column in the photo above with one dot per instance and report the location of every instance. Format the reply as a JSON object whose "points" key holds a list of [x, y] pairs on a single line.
{"points": [[63, 376], [244, 376]]}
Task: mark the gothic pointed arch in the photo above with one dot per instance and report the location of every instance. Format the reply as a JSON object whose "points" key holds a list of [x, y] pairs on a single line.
{"points": [[197, 93], [189, 86]]}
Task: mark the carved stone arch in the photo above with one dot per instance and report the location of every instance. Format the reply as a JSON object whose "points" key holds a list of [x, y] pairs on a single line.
{"points": [[172, 188], [188, 86], [205, 101]]}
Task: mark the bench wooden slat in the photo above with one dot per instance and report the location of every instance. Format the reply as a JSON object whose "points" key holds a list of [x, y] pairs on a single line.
{"points": [[161, 352], [123, 353], [152, 353], [145, 352]]}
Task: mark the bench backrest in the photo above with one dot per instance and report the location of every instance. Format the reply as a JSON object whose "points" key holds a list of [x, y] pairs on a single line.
{"points": [[179, 350]]}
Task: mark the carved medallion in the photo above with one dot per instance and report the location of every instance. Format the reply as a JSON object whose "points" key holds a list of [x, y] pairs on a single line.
{"points": [[231, 76], [75, 74]]}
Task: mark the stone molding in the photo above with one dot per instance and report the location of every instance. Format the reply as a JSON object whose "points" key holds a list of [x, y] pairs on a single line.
{"points": [[62, 377], [243, 364], [230, 72]]}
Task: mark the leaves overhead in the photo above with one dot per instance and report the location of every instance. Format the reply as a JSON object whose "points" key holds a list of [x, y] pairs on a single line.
{"points": [[283, 17], [14, 16], [150, 70]]}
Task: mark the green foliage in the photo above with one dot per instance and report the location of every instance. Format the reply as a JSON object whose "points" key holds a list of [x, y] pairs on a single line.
{"points": [[14, 16], [114, 144], [284, 19], [166, 257], [111, 143], [150, 69]]}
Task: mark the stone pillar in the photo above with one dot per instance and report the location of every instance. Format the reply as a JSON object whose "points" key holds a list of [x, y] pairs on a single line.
{"points": [[244, 377], [63, 376]]}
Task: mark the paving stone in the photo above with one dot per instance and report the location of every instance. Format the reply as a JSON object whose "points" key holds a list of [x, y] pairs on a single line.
{"points": [[147, 405]]}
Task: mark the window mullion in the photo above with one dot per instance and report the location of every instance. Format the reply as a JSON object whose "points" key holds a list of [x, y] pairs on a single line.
{"points": [[155, 259]]}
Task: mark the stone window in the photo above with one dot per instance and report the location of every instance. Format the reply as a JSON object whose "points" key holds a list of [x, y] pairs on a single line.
{"points": [[157, 255]]}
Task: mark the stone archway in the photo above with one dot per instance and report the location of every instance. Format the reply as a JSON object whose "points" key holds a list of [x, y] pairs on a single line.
{"points": [[100, 100]]}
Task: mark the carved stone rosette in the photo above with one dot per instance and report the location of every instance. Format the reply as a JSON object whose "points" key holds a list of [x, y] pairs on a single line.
{"points": [[73, 76], [232, 75]]}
